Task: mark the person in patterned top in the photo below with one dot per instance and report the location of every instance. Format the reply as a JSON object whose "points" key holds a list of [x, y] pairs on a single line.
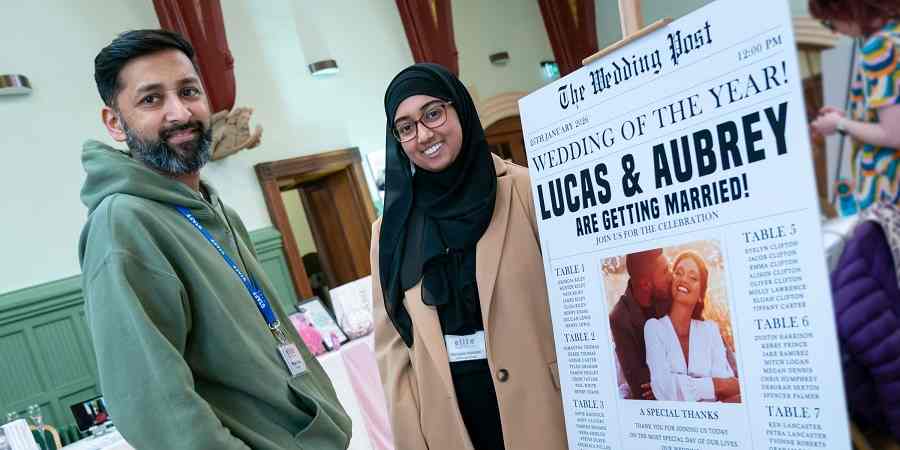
{"points": [[873, 120]]}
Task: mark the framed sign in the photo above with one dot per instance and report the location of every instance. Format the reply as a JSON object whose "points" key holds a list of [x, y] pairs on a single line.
{"points": [[319, 324]]}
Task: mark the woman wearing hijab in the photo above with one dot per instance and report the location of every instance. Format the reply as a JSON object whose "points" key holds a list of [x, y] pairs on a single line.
{"points": [[462, 324]]}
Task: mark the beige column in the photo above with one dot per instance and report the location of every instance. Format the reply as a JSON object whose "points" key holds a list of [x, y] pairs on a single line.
{"points": [[630, 16]]}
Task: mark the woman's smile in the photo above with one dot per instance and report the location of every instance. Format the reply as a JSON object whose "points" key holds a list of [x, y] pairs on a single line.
{"points": [[434, 133], [686, 281], [433, 150]]}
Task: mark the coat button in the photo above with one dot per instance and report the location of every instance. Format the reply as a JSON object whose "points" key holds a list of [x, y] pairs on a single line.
{"points": [[502, 375]]}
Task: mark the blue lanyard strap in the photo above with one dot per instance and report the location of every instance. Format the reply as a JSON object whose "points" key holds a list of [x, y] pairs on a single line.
{"points": [[259, 297]]}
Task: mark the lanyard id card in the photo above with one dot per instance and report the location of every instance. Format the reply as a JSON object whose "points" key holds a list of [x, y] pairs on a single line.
{"points": [[289, 352], [293, 359]]}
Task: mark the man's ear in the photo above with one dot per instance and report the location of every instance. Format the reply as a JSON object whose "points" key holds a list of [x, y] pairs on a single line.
{"points": [[113, 123]]}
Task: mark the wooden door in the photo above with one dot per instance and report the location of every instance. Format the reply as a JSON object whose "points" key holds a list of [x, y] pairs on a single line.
{"points": [[339, 226], [295, 173], [505, 140]]}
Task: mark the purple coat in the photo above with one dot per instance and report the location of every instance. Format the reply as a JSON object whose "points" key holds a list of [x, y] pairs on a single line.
{"points": [[867, 308]]}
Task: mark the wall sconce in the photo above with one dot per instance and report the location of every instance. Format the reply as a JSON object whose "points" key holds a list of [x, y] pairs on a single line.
{"points": [[323, 68], [14, 84], [499, 58]]}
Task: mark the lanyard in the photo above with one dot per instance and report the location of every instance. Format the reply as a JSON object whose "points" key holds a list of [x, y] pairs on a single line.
{"points": [[259, 297]]}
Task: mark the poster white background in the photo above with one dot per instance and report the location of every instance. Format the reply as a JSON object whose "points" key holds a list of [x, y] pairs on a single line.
{"points": [[743, 61]]}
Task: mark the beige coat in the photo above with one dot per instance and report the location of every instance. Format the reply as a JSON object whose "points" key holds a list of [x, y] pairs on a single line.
{"points": [[519, 340]]}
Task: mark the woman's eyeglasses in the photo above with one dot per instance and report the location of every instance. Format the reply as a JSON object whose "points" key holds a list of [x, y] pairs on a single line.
{"points": [[433, 116]]}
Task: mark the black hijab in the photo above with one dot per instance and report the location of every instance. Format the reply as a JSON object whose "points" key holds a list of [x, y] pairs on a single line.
{"points": [[432, 220]]}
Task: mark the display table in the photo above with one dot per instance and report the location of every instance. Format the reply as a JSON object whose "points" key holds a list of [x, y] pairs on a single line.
{"points": [[354, 374]]}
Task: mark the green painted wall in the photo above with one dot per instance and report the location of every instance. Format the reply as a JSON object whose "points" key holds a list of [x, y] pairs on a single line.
{"points": [[46, 355]]}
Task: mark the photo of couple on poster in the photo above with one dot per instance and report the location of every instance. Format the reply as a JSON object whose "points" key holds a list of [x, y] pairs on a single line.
{"points": [[670, 324]]}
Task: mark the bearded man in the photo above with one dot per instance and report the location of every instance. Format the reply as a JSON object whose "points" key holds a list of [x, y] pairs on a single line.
{"points": [[191, 351]]}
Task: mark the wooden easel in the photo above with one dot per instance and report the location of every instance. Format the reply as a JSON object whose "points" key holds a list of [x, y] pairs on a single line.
{"points": [[631, 21]]}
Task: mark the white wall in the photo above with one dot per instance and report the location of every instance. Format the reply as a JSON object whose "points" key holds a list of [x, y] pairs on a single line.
{"points": [[41, 175], [54, 42], [301, 114], [609, 28], [485, 27], [298, 220], [799, 7]]}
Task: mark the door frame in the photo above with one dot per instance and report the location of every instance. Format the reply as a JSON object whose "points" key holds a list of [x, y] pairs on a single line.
{"points": [[272, 174]]}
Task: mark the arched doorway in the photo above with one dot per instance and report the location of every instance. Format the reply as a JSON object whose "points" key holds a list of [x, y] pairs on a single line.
{"points": [[503, 129], [505, 140]]}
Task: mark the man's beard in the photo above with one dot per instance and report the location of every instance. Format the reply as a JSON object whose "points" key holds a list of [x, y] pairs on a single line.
{"points": [[157, 154], [662, 296]]}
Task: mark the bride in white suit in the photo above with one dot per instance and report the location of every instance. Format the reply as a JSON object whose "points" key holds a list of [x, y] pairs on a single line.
{"points": [[685, 354]]}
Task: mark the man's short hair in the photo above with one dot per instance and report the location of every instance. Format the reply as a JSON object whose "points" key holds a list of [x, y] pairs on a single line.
{"points": [[130, 45], [642, 264]]}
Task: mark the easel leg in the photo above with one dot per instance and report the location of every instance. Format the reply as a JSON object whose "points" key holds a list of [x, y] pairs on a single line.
{"points": [[630, 17]]}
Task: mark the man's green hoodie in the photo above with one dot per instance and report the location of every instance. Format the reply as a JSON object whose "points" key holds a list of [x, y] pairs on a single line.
{"points": [[184, 356]]}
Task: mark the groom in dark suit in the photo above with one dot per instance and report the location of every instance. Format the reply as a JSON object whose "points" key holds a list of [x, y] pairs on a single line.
{"points": [[648, 296]]}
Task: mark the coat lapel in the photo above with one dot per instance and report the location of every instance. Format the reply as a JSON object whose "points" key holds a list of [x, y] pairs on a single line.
{"points": [[490, 246], [429, 330]]}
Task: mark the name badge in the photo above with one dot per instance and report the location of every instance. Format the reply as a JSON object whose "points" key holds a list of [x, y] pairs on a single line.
{"points": [[465, 348], [292, 358]]}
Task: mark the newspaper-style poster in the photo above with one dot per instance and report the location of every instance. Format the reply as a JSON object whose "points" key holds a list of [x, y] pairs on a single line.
{"points": [[674, 190]]}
